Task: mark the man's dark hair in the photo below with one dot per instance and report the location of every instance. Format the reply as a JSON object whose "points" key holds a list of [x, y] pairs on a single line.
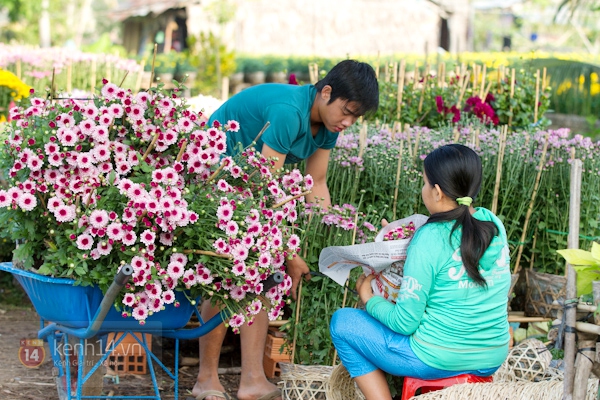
{"points": [[353, 81]]}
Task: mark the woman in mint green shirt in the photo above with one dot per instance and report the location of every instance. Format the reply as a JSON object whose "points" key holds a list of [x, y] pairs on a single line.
{"points": [[450, 317]]}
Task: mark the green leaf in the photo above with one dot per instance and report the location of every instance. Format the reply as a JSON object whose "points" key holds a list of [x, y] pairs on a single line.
{"points": [[579, 257], [585, 277]]}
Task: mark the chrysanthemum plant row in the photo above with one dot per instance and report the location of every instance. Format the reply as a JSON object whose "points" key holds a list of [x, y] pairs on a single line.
{"points": [[137, 178], [504, 96]]}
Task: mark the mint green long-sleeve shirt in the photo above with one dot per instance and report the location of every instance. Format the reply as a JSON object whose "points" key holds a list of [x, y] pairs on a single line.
{"points": [[453, 323]]}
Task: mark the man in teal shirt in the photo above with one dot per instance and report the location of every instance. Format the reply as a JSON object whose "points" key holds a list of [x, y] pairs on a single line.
{"points": [[304, 123]]}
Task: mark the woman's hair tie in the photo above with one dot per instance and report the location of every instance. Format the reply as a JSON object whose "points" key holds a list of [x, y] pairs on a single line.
{"points": [[464, 201]]}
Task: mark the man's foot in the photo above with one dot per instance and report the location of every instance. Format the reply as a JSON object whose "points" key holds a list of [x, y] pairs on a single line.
{"points": [[201, 393]]}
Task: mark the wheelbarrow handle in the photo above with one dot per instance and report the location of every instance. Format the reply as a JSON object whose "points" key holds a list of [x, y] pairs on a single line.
{"points": [[107, 302], [273, 280]]}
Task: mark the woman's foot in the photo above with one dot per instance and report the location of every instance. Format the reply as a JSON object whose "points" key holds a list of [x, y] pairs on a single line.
{"points": [[266, 391]]}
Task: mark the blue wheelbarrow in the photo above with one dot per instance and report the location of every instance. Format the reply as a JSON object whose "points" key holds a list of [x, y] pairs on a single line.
{"points": [[84, 312]]}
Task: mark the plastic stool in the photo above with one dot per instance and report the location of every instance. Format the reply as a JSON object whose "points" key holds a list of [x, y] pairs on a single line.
{"points": [[411, 385]]}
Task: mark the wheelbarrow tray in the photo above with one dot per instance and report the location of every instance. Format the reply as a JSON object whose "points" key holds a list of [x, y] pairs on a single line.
{"points": [[61, 301]]}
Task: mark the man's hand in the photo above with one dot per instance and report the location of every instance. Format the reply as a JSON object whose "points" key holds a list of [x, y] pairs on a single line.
{"points": [[296, 269], [363, 287]]}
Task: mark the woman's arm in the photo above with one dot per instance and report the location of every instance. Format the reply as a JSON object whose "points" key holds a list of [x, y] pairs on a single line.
{"points": [[316, 166]]}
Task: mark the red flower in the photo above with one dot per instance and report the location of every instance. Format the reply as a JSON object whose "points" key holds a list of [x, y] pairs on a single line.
{"points": [[292, 80]]}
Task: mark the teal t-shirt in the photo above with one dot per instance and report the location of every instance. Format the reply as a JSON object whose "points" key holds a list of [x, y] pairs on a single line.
{"points": [[453, 323], [287, 108]]}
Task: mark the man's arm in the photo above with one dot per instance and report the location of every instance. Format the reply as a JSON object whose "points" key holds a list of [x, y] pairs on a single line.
{"points": [[316, 166]]}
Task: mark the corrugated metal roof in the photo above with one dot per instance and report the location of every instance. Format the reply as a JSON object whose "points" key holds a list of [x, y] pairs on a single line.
{"points": [[141, 8]]}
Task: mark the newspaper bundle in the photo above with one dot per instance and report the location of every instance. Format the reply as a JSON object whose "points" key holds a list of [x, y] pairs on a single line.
{"points": [[383, 258]]}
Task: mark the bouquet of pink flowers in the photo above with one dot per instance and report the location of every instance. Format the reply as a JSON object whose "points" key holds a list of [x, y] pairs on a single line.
{"points": [[139, 179], [404, 231]]}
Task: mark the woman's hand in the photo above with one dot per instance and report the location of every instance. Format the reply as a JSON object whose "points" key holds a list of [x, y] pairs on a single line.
{"points": [[296, 269], [363, 287]]}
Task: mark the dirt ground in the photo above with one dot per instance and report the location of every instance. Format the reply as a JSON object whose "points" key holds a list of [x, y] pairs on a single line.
{"points": [[18, 382]]}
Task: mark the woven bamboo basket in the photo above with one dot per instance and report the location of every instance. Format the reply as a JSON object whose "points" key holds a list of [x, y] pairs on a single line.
{"points": [[545, 294], [304, 382], [547, 390], [341, 387]]}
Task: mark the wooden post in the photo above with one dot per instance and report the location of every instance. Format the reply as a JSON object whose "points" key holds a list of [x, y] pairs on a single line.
{"points": [[571, 286], [400, 89], [531, 203], [225, 88], [377, 67]]}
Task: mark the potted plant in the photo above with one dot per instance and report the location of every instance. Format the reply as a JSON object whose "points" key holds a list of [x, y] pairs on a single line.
{"points": [[276, 69], [138, 179], [254, 71]]}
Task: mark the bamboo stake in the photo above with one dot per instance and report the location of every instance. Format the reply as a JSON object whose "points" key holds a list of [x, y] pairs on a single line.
{"points": [[512, 93], [395, 129], [570, 316], [181, 150], [93, 76], [150, 147], [52, 89], [400, 89], [456, 135], [207, 253], [487, 90], [443, 75], [537, 96], [463, 89], [18, 67], [398, 170], [153, 64], [417, 139], [501, 147], [500, 78], [108, 72], [544, 79], [408, 146], [298, 309], [387, 72], [281, 203], [395, 73], [475, 77], [425, 80], [299, 300], [482, 87], [348, 280], [531, 203], [416, 74], [69, 77], [377, 66], [138, 81]]}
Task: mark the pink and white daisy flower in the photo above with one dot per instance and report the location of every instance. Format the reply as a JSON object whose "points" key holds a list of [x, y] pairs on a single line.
{"points": [[129, 299], [64, 213], [168, 296], [140, 313], [27, 202], [99, 218], [147, 237], [85, 241]]}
